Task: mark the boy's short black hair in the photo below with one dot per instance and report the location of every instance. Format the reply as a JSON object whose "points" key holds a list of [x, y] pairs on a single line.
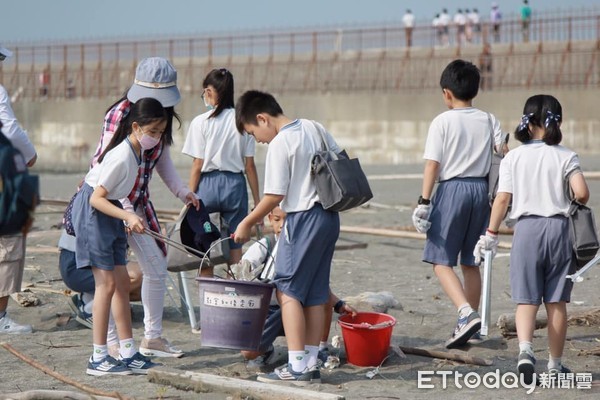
{"points": [[252, 103], [462, 79]]}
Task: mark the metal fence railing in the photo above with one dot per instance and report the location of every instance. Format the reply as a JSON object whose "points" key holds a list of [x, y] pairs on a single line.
{"points": [[561, 51]]}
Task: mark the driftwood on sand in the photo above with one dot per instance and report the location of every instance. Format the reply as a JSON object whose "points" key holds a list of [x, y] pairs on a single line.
{"points": [[587, 317]]}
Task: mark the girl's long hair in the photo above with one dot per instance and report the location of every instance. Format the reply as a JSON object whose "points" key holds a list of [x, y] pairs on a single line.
{"points": [[544, 111], [167, 136], [222, 80], [145, 111]]}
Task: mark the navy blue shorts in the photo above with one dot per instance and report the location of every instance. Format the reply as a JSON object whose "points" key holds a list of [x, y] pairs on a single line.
{"points": [[304, 254], [101, 240], [540, 260], [460, 213], [77, 279], [226, 193]]}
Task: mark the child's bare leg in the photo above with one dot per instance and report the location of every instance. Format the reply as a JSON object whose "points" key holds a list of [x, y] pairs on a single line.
{"points": [[472, 285], [120, 303], [557, 327], [327, 323], [294, 324], [105, 288], [451, 284], [525, 321], [314, 317]]}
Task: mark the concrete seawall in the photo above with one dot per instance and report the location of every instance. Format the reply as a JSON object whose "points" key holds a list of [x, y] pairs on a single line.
{"points": [[379, 129]]}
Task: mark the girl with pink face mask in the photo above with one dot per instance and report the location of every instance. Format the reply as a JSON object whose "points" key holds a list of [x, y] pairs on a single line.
{"points": [[101, 238]]}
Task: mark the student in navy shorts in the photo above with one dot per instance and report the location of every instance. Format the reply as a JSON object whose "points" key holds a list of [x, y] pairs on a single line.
{"points": [[101, 238], [457, 156], [305, 248], [221, 158], [534, 175]]}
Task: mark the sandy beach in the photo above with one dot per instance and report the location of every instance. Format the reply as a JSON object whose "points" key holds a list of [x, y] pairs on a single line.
{"points": [[425, 319]]}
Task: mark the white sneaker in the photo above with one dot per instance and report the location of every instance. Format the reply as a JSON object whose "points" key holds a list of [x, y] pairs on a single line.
{"points": [[159, 347], [9, 326]]}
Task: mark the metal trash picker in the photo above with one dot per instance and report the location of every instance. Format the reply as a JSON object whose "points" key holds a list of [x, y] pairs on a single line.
{"points": [[577, 276], [486, 292]]}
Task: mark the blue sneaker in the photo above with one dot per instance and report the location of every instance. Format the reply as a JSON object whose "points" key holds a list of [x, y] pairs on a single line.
{"points": [[270, 357], [285, 374], [106, 366], [76, 304], [139, 364], [465, 328], [526, 367], [323, 354]]}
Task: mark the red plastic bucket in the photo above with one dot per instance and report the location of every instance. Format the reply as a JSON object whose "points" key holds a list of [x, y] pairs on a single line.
{"points": [[367, 337]]}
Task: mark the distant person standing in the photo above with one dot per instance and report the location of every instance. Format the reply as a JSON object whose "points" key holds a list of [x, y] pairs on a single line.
{"points": [[44, 81], [475, 23], [485, 66], [439, 29], [496, 21], [461, 24], [525, 20], [409, 24], [12, 247], [445, 24]]}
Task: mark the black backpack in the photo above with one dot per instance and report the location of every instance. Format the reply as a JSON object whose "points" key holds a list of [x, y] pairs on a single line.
{"points": [[19, 191]]}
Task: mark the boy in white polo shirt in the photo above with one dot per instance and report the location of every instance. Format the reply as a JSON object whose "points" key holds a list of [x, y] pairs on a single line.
{"points": [[305, 248], [458, 156]]}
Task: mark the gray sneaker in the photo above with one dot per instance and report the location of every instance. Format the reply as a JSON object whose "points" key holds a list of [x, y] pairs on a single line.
{"points": [[269, 357], [7, 325], [554, 372], [287, 375], [465, 328], [526, 367]]}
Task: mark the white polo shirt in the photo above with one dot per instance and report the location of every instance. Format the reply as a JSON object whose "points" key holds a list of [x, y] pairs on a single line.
{"points": [[218, 142], [288, 161], [461, 141], [117, 172], [535, 174]]}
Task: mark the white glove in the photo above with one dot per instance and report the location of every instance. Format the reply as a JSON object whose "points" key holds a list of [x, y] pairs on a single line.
{"points": [[420, 218], [489, 241]]}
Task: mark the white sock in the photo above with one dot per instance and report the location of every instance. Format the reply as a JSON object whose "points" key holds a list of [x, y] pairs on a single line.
{"points": [[464, 310], [100, 352], [297, 359], [554, 363], [526, 347], [127, 348], [323, 346], [312, 353]]}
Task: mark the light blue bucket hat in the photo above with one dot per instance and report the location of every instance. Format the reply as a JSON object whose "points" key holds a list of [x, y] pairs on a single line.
{"points": [[155, 77]]}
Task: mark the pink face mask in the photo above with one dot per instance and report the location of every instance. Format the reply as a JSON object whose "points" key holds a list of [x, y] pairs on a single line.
{"points": [[147, 142]]}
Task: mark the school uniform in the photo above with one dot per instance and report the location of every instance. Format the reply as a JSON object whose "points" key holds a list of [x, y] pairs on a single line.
{"points": [[307, 241], [223, 150], [101, 240], [541, 256], [460, 140]]}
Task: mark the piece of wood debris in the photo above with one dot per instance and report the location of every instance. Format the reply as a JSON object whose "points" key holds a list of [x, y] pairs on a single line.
{"points": [[203, 383]]}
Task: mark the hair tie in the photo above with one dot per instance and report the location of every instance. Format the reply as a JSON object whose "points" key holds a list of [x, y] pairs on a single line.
{"points": [[550, 116], [524, 121]]}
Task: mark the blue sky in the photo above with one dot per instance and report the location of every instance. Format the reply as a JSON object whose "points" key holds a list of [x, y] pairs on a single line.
{"points": [[74, 20]]}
